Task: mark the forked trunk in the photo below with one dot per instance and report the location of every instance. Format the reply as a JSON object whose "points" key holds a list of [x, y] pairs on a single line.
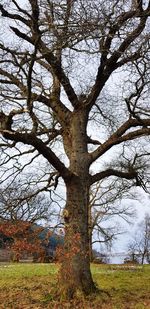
{"points": [[75, 271]]}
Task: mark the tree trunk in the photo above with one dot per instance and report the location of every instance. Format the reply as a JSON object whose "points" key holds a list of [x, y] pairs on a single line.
{"points": [[90, 230], [143, 256], [142, 261], [75, 271]]}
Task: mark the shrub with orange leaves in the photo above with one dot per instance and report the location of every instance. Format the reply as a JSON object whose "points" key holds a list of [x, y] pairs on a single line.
{"points": [[22, 238]]}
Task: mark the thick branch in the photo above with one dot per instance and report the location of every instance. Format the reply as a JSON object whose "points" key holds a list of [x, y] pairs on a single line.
{"points": [[60, 110], [119, 136], [125, 44], [29, 78], [93, 141], [111, 172], [22, 35], [31, 139], [14, 16], [58, 71]]}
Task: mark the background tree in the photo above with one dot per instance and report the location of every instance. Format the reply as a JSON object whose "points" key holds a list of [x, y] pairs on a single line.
{"points": [[132, 255], [58, 60], [18, 202], [27, 222], [139, 247], [106, 209]]}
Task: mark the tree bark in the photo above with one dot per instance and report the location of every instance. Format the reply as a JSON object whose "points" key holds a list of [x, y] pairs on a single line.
{"points": [[75, 273]]}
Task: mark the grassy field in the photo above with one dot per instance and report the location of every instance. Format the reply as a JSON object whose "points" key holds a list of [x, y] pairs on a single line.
{"points": [[27, 286]]}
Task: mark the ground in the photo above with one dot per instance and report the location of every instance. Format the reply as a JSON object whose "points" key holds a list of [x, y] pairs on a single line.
{"points": [[27, 286]]}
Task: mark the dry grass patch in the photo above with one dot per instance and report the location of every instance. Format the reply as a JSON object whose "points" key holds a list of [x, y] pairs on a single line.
{"points": [[24, 286]]}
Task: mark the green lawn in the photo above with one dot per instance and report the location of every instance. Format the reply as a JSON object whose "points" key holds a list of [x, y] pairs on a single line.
{"points": [[25, 286]]}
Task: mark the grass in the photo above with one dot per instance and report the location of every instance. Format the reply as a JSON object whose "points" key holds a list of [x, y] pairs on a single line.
{"points": [[27, 286]]}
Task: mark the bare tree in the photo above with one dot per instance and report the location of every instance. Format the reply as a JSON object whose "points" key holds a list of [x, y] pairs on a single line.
{"points": [[139, 247], [106, 210], [17, 202], [59, 60]]}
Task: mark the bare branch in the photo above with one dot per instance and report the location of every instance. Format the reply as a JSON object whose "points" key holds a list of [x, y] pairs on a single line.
{"points": [[107, 66], [119, 136], [14, 16], [31, 139], [111, 172]]}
